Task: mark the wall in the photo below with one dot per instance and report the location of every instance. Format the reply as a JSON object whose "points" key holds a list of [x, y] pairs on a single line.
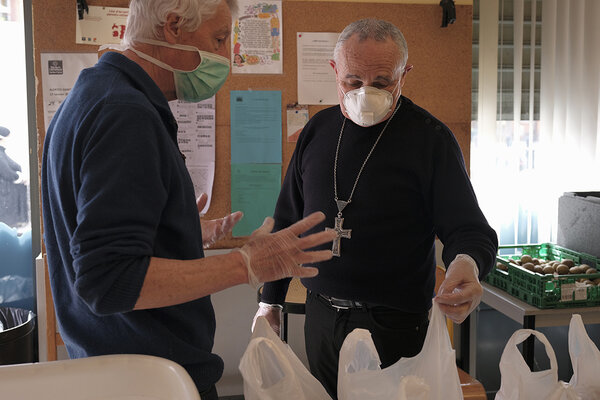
{"points": [[439, 82]]}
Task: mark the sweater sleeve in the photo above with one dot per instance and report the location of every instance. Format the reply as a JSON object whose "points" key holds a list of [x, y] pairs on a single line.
{"points": [[459, 222], [120, 192]]}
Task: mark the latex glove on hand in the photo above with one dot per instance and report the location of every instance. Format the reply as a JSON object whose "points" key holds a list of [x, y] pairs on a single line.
{"points": [[272, 312], [461, 291], [216, 229], [274, 256]]}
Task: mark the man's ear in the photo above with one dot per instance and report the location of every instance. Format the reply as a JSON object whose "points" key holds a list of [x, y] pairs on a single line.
{"points": [[171, 29], [332, 63], [406, 71]]}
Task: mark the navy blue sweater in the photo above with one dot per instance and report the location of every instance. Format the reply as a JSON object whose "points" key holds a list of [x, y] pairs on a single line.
{"points": [[414, 187], [116, 192]]}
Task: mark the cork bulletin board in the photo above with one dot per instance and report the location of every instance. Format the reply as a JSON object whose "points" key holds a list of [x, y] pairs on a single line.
{"points": [[439, 82]]}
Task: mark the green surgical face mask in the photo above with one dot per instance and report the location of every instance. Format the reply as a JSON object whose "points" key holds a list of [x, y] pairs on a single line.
{"points": [[196, 85]]}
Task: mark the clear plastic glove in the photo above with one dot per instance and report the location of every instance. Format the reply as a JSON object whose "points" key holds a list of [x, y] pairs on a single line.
{"points": [[274, 256], [216, 229], [272, 312], [461, 291]]}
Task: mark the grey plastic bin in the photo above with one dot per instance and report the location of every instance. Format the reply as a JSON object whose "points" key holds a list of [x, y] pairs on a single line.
{"points": [[17, 344]]}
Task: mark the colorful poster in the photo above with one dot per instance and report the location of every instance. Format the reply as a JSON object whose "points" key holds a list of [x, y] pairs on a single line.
{"points": [[256, 40], [101, 25]]}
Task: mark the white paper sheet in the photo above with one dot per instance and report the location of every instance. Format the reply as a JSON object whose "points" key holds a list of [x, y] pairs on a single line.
{"points": [[316, 78], [59, 73], [297, 117], [196, 139]]}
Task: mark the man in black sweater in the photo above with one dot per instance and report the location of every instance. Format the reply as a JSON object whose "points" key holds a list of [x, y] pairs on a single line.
{"points": [[390, 178]]}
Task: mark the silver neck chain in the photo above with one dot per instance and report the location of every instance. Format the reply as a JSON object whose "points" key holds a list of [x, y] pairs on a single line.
{"points": [[337, 150]]}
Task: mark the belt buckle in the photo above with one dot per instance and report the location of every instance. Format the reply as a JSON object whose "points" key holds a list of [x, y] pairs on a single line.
{"points": [[329, 300], [338, 307]]}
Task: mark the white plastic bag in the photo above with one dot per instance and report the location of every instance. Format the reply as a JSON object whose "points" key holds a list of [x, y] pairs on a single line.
{"points": [[431, 374], [585, 358], [272, 371], [518, 382], [360, 376]]}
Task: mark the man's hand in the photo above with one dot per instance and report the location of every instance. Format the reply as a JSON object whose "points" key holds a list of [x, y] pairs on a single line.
{"points": [[461, 291], [216, 229], [273, 256], [272, 312]]}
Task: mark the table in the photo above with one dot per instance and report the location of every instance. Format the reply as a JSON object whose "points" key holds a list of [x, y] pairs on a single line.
{"points": [[294, 304], [530, 317]]}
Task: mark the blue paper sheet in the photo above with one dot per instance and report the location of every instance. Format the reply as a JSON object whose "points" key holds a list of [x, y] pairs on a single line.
{"points": [[255, 126], [254, 191]]}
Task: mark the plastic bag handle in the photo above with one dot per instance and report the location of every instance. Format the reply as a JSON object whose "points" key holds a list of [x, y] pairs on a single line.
{"points": [[519, 337], [358, 353], [580, 343], [437, 332], [255, 367], [585, 359]]}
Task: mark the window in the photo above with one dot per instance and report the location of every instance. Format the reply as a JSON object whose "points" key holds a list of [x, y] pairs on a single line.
{"points": [[505, 131], [17, 232], [5, 10]]}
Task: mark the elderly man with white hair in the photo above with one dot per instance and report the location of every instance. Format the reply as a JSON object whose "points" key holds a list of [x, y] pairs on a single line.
{"points": [[122, 231]]}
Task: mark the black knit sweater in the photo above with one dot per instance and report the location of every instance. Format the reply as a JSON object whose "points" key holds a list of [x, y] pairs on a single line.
{"points": [[413, 188], [116, 192]]}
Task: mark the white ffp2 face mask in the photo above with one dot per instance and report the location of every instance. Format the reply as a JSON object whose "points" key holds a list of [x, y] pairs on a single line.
{"points": [[366, 106]]}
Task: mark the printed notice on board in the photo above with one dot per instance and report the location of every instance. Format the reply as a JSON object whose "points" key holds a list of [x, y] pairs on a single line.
{"points": [[101, 25], [297, 117], [256, 45], [196, 140], [254, 191], [59, 73], [316, 78], [255, 126]]}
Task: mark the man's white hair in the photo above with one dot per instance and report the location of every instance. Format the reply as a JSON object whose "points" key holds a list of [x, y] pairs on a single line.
{"points": [[376, 29], [147, 17]]}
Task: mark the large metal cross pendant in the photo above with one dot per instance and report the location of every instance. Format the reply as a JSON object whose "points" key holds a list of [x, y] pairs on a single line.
{"points": [[341, 233]]}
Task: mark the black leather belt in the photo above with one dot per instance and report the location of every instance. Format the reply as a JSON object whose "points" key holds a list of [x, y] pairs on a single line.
{"points": [[341, 304]]}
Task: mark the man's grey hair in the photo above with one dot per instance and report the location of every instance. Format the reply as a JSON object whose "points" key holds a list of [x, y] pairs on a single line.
{"points": [[147, 17], [376, 29]]}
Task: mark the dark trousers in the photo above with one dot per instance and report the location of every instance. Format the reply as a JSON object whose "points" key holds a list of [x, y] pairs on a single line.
{"points": [[395, 334], [209, 394]]}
